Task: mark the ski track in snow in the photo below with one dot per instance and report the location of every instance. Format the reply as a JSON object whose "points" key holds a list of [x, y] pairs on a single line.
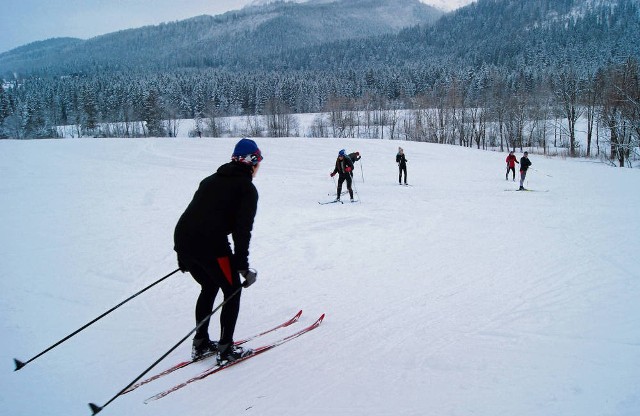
{"points": [[448, 297]]}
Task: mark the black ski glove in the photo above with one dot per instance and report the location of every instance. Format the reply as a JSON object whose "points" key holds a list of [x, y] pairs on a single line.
{"points": [[250, 277]]}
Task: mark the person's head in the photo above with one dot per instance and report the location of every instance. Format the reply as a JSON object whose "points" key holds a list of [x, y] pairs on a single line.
{"points": [[342, 153], [526, 154], [511, 152], [357, 153], [248, 153], [400, 150]]}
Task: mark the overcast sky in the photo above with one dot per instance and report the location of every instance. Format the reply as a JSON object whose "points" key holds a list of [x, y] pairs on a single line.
{"points": [[28, 21]]}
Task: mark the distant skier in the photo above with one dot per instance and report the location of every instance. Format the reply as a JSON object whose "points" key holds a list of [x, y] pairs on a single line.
{"points": [[401, 160], [225, 203], [524, 165], [511, 165], [343, 168]]}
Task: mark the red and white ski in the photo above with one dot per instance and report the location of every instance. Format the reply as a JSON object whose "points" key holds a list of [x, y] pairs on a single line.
{"points": [[256, 351], [186, 363]]}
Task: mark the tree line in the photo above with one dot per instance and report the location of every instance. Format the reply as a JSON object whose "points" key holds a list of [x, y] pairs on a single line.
{"points": [[483, 107]]}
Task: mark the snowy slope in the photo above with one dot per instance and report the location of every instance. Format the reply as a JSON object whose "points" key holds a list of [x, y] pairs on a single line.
{"points": [[451, 297]]}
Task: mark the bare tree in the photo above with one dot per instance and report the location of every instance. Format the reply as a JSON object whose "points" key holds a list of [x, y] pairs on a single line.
{"points": [[620, 108], [320, 127], [478, 126], [591, 99], [252, 127], [498, 104], [566, 88], [393, 117], [280, 121]]}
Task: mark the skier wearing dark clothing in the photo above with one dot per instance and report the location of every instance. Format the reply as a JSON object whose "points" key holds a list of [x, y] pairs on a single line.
{"points": [[401, 160], [511, 165], [524, 165], [354, 157], [225, 203], [343, 168]]}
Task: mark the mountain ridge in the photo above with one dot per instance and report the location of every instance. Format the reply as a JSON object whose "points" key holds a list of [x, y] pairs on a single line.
{"points": [[271, 28]]}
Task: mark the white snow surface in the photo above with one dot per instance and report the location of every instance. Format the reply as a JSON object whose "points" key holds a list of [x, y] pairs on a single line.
{"points": [[448, 297]]}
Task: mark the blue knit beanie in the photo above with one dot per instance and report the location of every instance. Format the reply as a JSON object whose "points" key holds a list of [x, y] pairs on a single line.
{"points": [[247, 151]]}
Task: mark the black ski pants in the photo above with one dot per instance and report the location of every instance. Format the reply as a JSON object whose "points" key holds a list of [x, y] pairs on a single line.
{"points": [[215, 274], [341, 179], [402, 168]]}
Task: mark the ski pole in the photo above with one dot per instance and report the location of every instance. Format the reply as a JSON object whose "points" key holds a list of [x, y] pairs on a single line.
{"points": [[353, 185], [361, 171], [20, 364], [96, 409], [335, 187]]}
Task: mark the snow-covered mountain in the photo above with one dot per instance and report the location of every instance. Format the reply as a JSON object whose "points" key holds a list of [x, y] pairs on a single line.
{"points": [[317, 35], [446, 5], [234, 36], [260, 3]]}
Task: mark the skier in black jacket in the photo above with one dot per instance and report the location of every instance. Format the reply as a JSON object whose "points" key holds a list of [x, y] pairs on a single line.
{"points": [[343, 168], [524, 165], [225, 203], [401, 160], [354, 157]]}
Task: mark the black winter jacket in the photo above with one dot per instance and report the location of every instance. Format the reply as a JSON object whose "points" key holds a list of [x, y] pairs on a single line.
{"points": [[524, 163], [401, 160], [225, 203], [342, 165]]}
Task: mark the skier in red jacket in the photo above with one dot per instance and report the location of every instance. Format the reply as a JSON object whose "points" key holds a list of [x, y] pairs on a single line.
{"points": [[511, 165]]}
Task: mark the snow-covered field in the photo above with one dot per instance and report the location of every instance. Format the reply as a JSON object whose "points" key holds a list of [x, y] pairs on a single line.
{"points": [[450, 297]]}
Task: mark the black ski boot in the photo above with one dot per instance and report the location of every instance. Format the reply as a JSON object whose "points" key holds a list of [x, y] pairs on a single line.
{"points": [[229, 352], [203, 347]]}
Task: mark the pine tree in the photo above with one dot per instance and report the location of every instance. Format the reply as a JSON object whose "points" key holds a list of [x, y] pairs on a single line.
{"points": [[152, 113]]}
